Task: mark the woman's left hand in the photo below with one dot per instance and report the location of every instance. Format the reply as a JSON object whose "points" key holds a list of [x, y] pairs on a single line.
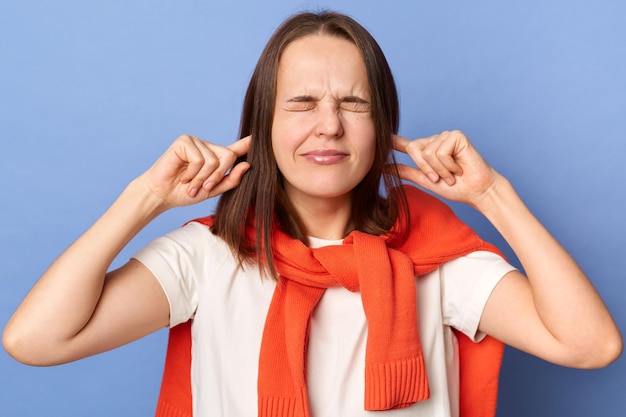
{"points": [[448, 165]]}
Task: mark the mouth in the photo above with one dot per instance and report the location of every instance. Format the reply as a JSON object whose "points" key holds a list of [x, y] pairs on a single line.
{"points": [[325, 156]]}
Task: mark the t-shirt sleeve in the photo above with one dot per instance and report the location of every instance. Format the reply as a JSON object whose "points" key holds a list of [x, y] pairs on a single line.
{"points": [[467, 283], [173, 259]]}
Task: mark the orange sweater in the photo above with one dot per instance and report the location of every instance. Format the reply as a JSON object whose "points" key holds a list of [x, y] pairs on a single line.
{"points": [[395, 375]]}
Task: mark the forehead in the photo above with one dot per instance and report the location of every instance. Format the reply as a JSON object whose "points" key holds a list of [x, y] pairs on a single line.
{"points": [[322, 57]]}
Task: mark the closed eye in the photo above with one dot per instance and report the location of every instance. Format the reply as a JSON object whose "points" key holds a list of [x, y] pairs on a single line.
{"points": [[355, 104], [300, 103], [349, 103]]}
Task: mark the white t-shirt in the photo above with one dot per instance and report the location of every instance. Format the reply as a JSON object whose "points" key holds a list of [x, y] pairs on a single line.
{"points": [[202, 281]]}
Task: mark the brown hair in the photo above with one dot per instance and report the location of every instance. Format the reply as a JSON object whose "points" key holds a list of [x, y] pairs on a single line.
{"points": [[260, 201]]}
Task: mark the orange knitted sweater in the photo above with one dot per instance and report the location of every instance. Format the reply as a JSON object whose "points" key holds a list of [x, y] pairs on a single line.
{"points": [[395, 373]]}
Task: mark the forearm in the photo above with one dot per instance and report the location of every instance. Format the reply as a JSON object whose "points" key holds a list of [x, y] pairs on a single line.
{"points": [[565, 300], [63, 300]]}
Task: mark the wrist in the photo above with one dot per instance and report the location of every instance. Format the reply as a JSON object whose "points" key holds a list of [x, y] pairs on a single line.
{"points": [[140, 200], [498, 193]]}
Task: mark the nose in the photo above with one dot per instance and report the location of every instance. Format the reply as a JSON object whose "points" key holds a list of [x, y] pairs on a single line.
{"points": [[329, 122]]}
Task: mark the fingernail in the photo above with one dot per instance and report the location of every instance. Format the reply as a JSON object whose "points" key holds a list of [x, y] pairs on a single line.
{"points": [[433, 177], [193, 192]]}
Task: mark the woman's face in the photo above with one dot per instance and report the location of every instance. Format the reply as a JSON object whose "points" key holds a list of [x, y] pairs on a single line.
{"points": [[323, 134]]}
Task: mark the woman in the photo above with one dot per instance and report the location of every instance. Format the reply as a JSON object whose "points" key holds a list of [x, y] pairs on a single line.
{"points": [[302, 288]]}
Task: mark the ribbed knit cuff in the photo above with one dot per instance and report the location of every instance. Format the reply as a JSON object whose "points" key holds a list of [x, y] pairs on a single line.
{"points": [[165, 409], [285, 407], [395, 384]]}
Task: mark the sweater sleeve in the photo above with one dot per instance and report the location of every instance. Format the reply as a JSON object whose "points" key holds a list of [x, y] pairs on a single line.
{"points": [[467, 283]]}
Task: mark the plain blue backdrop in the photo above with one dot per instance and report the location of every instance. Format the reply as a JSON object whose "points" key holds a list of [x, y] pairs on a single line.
{"points": [[91, 93]]}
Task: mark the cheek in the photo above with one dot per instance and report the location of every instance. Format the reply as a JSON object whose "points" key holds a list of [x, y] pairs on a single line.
{"points": [[361, 124], [278, 137], [370, 158], [283, 148], [287, 135], [368, 142]]}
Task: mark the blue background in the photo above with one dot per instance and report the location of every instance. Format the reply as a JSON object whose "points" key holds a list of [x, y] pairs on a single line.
{"points": [[92, 92]]}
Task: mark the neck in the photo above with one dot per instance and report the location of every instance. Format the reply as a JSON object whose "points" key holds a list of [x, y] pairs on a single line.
{"points": [[327, 218]]}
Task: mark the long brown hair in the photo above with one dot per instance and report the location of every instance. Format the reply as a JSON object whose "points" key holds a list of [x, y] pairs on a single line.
{"points": [[260, 201]]}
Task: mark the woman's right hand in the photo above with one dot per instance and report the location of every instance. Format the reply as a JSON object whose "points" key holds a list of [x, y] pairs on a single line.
{"points": [[193, 170]]}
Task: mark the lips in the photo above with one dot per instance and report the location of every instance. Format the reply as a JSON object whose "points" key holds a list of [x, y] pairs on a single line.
{"points": [[325, 156]]}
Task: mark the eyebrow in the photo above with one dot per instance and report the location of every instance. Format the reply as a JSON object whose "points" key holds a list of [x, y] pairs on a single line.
{"points": [[300, 99], [354, 99]]}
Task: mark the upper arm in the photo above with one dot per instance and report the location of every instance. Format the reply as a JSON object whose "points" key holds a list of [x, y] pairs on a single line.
{"points": [[132, 305], [511, 317]]}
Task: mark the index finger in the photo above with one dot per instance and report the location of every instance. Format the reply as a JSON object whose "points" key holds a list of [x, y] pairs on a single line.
{"points": [[241, 146], [399, 143]]}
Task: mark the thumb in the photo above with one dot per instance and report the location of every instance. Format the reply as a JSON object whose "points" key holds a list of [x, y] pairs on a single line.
{"points": [[415, 175], [232, 179]]}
